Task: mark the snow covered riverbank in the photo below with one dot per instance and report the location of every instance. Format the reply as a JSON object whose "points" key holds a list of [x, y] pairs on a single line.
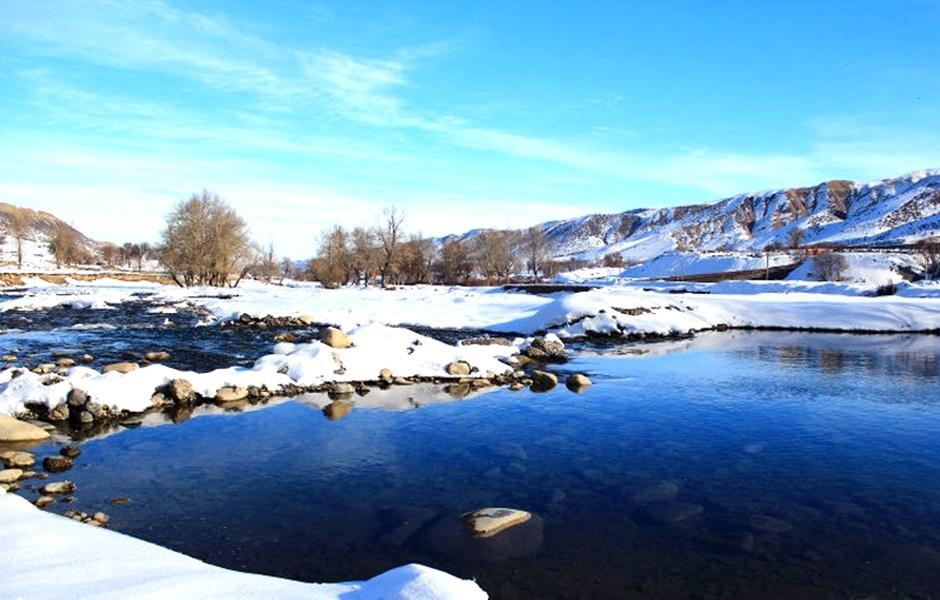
{"points": [[49, 556], [631, 308]]}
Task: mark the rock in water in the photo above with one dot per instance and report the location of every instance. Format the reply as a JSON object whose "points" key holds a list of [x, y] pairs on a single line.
{"points": [[60, 412], [230, 394], [181, 391], [19, 460], [57, 464], [76, 398], [487, 522], [10, 475], [577, 382], [451, 537], [121, 367], [58, 487], [70, 451], [158, 356], [542, 381], [14, 430], [458, 368], [334, 338]]}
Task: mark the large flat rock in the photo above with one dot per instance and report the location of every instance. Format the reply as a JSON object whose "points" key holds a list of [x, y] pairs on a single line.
{"points": [[14, 430]]}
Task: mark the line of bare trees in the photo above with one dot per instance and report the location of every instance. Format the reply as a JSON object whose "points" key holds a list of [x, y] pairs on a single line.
{"points": [[387, 254]]}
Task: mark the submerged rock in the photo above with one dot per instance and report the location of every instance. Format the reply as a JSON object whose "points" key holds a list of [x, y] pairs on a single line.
{"points": [[158, 356], [334, 338], [14, 430], [43, 501]]}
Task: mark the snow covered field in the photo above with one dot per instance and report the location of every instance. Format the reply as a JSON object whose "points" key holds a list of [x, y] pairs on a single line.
{"points": [[46, 553]]}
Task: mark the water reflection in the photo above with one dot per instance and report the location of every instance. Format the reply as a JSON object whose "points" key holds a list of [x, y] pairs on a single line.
{"points": [[745, 465]]}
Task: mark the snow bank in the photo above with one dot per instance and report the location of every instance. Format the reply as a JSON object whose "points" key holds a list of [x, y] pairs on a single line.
{"points": [[376, 347], [48, 556]]}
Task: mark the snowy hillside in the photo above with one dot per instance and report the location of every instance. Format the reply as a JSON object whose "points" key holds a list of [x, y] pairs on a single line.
{"points": [[888, 212], [41, 226]]}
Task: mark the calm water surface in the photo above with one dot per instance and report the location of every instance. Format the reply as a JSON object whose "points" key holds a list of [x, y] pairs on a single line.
{"points": [[738, 465]]}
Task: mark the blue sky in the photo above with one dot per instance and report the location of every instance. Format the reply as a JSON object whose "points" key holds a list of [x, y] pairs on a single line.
{"points": [[465, 114]]}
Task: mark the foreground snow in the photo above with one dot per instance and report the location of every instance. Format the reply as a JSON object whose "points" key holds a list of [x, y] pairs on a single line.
{"points": [[48, 556], [376, 347]]}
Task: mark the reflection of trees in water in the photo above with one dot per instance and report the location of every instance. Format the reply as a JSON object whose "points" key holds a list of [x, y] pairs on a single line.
{"points": [[835, 360]]}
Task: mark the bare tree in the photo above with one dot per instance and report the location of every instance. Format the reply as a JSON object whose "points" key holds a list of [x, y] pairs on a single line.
{"points": [[144, 250], [364, 254], [266, 268], [829, 266], [536, 250], [796, 237], [495, 254], [417, 258], [19, 222], [332, 265], [389, 234], [928, 252], [64, 245], [287, 268], [205, 242], [455, 265], [107, 253]]}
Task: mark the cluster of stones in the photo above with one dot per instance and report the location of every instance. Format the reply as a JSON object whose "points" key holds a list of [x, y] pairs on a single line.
{"points": [[99, 519], [269, 322], [178, 396]]}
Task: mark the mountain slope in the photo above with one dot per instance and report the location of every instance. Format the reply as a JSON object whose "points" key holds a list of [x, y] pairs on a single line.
{"points": [[41, 227], [888, 212]]}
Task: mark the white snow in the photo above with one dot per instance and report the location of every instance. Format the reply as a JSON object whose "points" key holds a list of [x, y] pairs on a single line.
{"points": [[376, 346], [48, 556]]}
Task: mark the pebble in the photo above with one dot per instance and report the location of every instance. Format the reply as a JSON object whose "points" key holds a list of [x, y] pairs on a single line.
{"points": [[44, 501], [58, 487], [10, 475]]}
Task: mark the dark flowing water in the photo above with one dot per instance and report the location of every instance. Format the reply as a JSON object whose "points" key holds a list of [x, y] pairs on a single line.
{"points": [[740, 465]]}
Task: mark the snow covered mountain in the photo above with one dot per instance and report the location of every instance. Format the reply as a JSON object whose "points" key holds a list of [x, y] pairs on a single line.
{"points": [[888, 212]]}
